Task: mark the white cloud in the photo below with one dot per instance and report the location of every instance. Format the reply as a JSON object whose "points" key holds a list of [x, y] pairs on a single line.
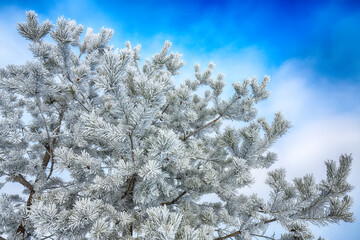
{"points": [[307, 146], [320, 130], [325, 125], [289, 88]]}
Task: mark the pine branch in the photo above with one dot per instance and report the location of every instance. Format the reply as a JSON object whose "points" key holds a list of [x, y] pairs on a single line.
{"points": [[239, 232], [45, 237], [130, 192], [22, 227], [42, 117], [229, 235], [20, 179], [82, 105], [132, 149], [132, 142], [137, 67], [174, 200], [263, 236], [271, 220], [49, 154], [46, 158], [68, 73], [51, 168], [211, 122], [201, 128], [131, 185], [166, 107], [57, 131], [85, 99]]}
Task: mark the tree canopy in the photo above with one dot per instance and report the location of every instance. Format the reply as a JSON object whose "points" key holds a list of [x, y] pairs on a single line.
{"points": [[108, 147]]}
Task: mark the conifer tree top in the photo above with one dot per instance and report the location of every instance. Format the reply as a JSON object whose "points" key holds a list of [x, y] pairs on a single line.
{"points": [[108, 148]]}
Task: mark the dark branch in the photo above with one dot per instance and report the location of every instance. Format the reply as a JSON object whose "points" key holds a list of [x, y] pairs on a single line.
{"points": [[229, 235], [165, 109], [271, 220], [131, 185], [201, 128], [211, 122], [263, 236], [20, 179], [132, 149], [174, 200], [239, 232], [57, 131]]}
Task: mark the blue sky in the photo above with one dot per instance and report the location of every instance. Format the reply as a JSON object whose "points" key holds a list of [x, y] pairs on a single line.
{"points": [[311, 50]]}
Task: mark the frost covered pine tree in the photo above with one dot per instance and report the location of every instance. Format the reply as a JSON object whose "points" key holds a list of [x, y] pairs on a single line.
{"points": [[105, 148]]}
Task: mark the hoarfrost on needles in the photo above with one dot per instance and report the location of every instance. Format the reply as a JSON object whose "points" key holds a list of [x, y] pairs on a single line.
{"points": [[113, 149]]}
